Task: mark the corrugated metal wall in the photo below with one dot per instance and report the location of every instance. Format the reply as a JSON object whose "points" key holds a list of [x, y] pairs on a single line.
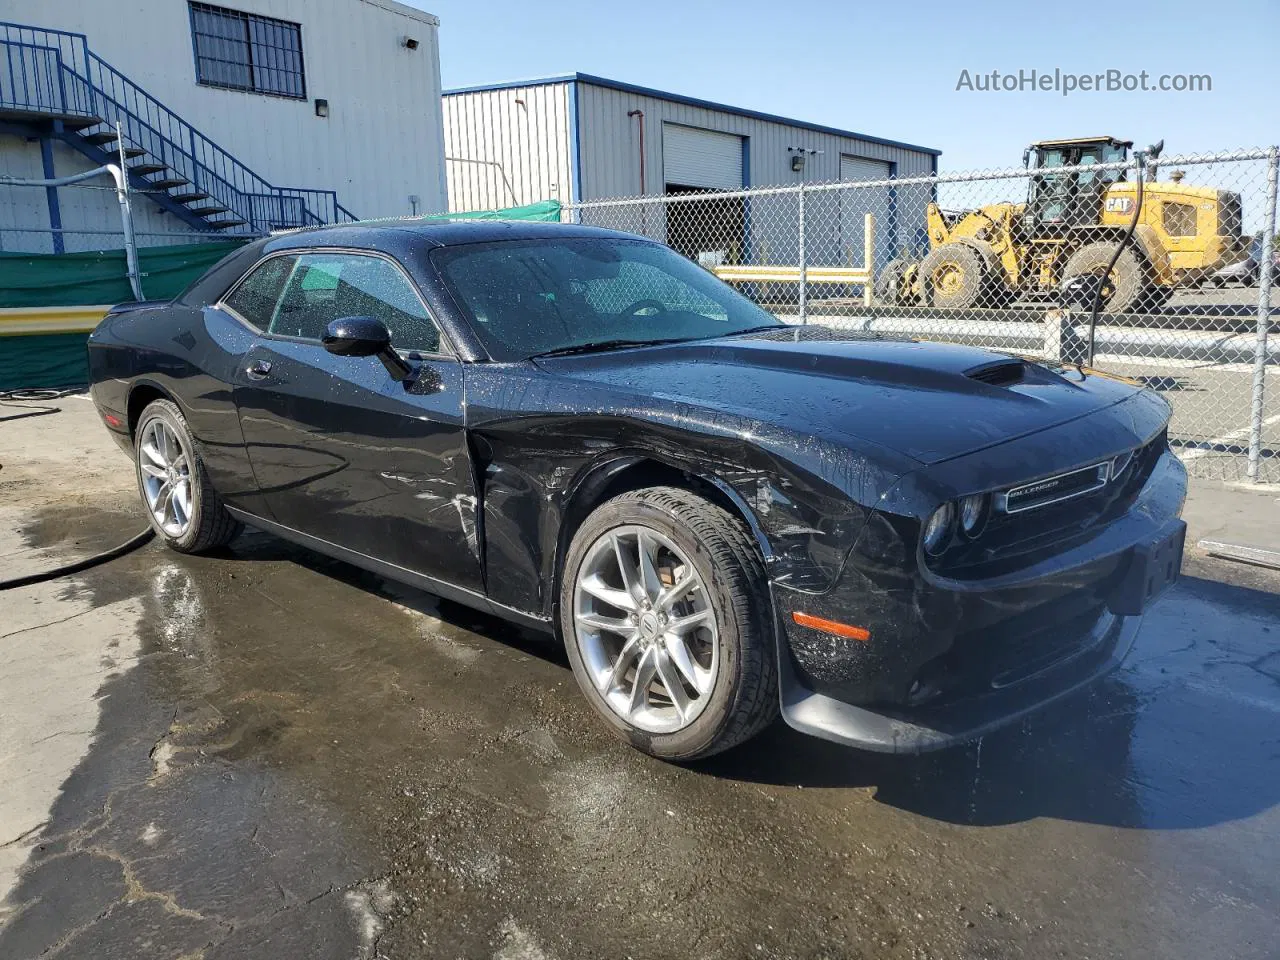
{"points": [[610, 144], [507, 147], [514, 145], [383, 139], [611, 168]]}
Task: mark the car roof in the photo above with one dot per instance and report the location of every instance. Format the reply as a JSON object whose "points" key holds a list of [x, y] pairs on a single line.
{"points": [[390, 235]]}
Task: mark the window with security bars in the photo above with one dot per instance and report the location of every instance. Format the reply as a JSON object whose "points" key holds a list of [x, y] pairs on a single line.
{"points": [[244, 51]]}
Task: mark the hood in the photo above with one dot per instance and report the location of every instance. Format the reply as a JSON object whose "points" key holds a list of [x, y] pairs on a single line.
{"points": [[929, 401]]}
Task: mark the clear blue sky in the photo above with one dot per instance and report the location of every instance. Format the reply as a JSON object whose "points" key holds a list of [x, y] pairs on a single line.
{"points": [[891, 69]]}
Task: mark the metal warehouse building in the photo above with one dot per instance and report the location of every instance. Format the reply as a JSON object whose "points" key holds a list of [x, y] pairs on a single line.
{"points": [[236, 118], [580, 138]]}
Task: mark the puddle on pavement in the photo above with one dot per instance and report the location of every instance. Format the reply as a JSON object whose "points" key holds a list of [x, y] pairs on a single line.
{"points": [[325, 762]]}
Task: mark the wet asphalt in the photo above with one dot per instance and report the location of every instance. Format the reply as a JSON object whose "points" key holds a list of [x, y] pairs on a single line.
{"points": [[303, 760]]}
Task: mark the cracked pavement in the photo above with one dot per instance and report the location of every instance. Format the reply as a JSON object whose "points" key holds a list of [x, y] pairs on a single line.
{"points": [[266, 753]]}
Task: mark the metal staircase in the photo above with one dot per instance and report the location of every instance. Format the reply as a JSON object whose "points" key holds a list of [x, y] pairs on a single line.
{"points": [[52, 84]]}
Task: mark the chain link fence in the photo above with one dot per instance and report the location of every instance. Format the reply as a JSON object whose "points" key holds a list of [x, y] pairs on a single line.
{"points": [[1177, 252]]}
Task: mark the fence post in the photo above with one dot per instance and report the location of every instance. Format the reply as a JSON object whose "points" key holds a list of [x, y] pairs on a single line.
{"points": [[804, 265], [1264, 314], [126, 220], [868, 257]]}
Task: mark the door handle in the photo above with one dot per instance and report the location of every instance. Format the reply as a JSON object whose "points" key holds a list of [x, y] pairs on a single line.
{"points": [[258, 370]]}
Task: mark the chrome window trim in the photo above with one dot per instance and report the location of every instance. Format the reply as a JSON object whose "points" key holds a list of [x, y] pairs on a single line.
{"points": [[447, 351]]}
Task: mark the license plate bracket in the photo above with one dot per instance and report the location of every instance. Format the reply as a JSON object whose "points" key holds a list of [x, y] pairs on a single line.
{"points": [[1152, 568]]}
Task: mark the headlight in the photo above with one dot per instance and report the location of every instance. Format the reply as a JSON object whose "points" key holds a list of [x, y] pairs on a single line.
{"points": [[973, 514], [938, 530]]}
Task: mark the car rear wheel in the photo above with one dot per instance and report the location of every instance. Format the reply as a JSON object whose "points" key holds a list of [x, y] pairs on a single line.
{"points": [[182, 506], [666, 619]]}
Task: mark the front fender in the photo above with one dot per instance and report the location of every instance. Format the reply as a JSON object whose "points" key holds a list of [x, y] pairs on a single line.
{"points": [[804, 500]]}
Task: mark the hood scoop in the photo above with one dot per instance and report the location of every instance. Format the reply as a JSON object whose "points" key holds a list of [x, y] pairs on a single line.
{"points": [[1001, 373]]}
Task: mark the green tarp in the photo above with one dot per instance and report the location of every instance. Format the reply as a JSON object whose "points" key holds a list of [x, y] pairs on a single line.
{"points": [[83, 279], [43, 360], [80, 279], [76, 279], [545, 211]]}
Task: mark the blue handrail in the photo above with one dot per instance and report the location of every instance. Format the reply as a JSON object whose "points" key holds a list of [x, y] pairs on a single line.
{"points": [[54, 73]]}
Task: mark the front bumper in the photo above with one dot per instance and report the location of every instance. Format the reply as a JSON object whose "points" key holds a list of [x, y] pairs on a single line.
{"points": [[951, 660]]}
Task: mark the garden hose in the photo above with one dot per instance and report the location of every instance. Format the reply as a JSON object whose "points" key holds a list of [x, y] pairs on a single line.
{"points": [[40, 395], [133, 543], [1152, 152]]}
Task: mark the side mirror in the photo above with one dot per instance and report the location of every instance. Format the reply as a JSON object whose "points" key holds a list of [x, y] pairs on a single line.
{"points": [[365, 337], [357, 337]]}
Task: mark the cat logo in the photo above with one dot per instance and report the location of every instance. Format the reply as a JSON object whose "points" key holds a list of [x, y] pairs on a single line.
{"points": [[1119, 204]]}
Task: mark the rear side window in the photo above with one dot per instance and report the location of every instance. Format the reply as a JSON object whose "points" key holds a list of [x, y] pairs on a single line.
{"points": [[328, 286], [255, 298]]}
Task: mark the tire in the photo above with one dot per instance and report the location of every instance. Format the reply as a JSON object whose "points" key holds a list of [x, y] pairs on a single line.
{"points": [[890, 285], [207, 524], [953, 275], [1128, 281], [737, 632]]}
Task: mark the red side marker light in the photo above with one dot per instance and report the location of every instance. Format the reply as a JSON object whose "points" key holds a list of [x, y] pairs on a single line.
{"points": [[831, 626], [112, 420]]}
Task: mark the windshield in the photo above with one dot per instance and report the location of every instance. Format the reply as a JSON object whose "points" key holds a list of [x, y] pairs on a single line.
{"points": [[529, 297]]}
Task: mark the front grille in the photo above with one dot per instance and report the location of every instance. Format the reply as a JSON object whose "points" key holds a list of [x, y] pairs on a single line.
{"points": [[1064, 486], [1014, 540]]}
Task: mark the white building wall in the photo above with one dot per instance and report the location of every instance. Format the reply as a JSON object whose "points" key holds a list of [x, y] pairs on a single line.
{"points": [[507, 147], [381, 143], [90, 211]]}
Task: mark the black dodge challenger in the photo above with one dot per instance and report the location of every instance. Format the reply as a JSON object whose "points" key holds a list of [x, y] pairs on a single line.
{"points": [[897, 545]]}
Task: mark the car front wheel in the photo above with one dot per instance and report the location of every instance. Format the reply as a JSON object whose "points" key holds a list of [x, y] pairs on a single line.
{"points": [[666, 618]]}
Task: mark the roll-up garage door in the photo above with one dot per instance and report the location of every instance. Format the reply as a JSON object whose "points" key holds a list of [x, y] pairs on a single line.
{"points": [[692, 157], [855, 204], [860, 168]]}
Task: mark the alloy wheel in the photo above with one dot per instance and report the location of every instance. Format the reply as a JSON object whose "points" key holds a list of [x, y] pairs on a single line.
{"points": [[646, 630], [166, 477]]}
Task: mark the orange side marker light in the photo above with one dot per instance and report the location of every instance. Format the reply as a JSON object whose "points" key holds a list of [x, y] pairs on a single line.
{"points": [[831, 626]]}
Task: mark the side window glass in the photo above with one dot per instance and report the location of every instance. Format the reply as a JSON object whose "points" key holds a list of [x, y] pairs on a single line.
{"points": [[255, 299], [326, 286]]}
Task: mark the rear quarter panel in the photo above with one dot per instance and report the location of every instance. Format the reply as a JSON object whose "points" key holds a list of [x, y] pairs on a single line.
{"points": [[190, 355]]}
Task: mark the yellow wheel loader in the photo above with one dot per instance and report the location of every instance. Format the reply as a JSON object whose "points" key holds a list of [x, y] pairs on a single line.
{"points": [[1068, 229]]}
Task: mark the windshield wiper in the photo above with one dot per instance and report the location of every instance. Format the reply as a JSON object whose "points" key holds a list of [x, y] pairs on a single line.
{"points": [[599, 346], [760, 329]]}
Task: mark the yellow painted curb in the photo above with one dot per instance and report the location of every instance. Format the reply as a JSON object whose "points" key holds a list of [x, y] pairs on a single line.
{"points": [[28, 321]]}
